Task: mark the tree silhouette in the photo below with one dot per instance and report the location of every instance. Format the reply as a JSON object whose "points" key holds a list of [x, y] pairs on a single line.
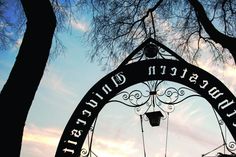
{"points": [[18, 92], [183, 25], [224, 39], [117, 27]]}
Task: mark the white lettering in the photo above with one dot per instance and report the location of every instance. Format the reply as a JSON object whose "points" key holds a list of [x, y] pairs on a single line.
{"points": [[92, 103], [184, 73], [76, 133], [65, 150], [99, 96], [222, 105], [152, 70], [86, 112], [174, 70], [214, 92], [106, 89], [231, 114], [72, 142], [118, 79], [205, 83], [81, 121], [163, 70], [193, 78]]}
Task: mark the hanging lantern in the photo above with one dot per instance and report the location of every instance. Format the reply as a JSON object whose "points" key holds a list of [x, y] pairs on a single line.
{"points": [[151, 50], [154, 117]]}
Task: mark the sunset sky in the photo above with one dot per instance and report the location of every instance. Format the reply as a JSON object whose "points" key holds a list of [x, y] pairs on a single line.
{"points": [[193, 129]]}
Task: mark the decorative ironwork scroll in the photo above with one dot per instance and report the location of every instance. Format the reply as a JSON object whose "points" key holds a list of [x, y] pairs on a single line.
{"points": [[150, 71], [156, 94]]}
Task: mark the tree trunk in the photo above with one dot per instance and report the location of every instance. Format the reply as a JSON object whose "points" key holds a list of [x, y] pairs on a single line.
{"points": [[218, 37], [18, 93]]}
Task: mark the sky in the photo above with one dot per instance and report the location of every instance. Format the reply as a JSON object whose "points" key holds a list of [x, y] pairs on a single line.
{"points": [[193, 129]]}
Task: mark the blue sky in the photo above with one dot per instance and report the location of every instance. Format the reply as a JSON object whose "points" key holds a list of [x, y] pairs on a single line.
{"points": [[193, 127]]}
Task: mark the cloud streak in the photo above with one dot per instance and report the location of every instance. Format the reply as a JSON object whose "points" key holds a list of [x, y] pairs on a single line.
{"points": [[54, 82], [78, 25], [225, 73], [37, 141], [45, 136], [116, 148], [191, 123]]}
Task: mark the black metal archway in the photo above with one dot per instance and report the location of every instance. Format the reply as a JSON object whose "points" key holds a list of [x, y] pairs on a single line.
{"points": [[164, 65]]}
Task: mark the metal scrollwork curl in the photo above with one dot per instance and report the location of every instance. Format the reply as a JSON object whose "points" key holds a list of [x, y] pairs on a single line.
{"points": [[154, 95], [125, 95], [181, 91], [172, 95], [170, 108], [84, 152], [232, 146], [138, 109], [170, 91], [137, 94], [134, 98]]}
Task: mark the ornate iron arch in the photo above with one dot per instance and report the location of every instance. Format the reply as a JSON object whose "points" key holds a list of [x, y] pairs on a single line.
{"points": [[150, 61]]}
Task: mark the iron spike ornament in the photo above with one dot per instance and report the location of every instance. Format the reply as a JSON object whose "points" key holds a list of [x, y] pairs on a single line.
{"points": [[167, 66]]}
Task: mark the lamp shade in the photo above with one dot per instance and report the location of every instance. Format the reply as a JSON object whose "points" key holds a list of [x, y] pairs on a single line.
{"points": [[154, 117]]}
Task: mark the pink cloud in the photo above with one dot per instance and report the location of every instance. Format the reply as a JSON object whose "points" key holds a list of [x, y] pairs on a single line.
{"points": [[37, 141]]}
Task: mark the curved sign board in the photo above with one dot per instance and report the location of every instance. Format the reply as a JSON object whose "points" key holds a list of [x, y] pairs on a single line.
{"points": [[208, 86]]}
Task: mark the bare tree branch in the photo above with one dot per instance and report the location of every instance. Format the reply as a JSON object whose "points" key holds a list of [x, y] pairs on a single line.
{"points": [[218, 37]]}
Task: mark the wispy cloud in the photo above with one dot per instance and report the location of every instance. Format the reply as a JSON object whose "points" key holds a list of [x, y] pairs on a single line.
{"points": [[225, 73], [116, 148], [79, 25], [54, 82], [37, 141], [188, 122], [44, 136]]}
